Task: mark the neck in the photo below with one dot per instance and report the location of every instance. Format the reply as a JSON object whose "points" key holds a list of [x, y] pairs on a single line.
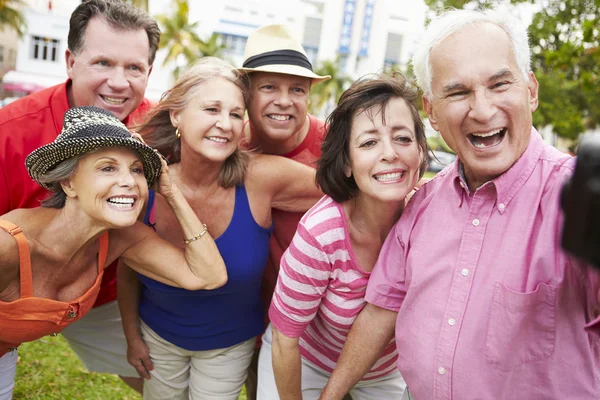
{"points": [[194, 171], [68, 242], [280, 147], [372, 216]]}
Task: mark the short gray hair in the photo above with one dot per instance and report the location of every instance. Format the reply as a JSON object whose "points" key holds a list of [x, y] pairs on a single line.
{"points": [[453, 21], [52, 178]]}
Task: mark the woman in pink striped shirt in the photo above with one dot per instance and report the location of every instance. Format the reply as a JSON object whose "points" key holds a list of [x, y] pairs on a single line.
{"points": [[373, 155]]}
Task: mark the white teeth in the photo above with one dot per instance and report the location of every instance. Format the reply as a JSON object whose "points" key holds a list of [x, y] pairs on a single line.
{"points": [[128, 201], [279, 117], [217, 139], [481, 145], [389, 177], [113, 100], [488, 134]]}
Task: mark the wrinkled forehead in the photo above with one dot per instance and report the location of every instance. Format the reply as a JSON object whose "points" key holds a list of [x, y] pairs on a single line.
{"points": [[260, 77]]}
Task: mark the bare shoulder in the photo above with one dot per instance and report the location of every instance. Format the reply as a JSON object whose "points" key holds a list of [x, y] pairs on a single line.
{"points": [[9, 257]]}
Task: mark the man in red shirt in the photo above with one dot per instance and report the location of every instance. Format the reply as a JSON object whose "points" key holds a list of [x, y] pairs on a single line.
{"points": [[280, 80], [111, 48]]}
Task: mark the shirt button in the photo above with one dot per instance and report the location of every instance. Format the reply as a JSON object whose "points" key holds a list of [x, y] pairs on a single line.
{"points": [[441, 370], [501, 206], [475, 222], [451, 322], [464, 272]]}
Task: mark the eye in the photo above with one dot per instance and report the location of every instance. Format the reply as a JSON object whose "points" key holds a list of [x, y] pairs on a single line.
{"points": [[135, 68], [108, 168], [103, 63], [299, 90], [211, 109], [368, 144], [458, 94], [403, 139], [267, 87], [137, 169], [500, 85], [236, 115]]}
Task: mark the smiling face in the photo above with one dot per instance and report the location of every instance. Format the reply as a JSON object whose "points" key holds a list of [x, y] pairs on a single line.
{"points": [[109, 186], [481, 104], [111, 70], [212, 122], [384, 155], [278, 107]]}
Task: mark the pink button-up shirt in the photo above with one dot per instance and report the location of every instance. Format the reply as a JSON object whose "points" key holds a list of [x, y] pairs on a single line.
{"points": [[489, 306]]}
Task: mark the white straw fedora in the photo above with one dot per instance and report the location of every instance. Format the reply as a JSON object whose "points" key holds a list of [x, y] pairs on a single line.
{"points": [[272, 48]]}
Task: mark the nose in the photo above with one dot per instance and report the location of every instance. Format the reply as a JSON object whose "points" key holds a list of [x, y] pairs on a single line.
{"points": [[224, 123], [388, 152], [126, 179], [482, 107], [117, 79], [283, 99]]}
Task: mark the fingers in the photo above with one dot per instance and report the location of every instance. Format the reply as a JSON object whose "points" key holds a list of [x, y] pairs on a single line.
{"points": [[148, 363], [137, 136], [141, 369]]}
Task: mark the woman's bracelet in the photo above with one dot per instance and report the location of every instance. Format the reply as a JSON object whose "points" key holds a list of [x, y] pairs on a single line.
{"points": [[198, 236]]}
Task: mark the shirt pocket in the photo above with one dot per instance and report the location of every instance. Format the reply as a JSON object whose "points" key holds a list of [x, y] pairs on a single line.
{"points": [[522, 326]]}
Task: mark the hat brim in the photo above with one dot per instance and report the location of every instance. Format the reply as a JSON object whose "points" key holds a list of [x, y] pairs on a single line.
{"points": [[49, 156], [287, 70]]}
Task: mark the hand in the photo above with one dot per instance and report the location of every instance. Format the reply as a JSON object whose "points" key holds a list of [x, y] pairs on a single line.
{"points": [[138, 355], [164, 185]]}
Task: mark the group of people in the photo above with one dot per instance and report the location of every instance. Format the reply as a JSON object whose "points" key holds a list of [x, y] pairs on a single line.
{"points": [[192, 250]]}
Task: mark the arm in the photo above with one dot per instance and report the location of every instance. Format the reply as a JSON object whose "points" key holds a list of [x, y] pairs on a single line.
{"points": [[128, 296], [199, 266], [302, 283], [291, 184], [287, 366], [370, 334]]}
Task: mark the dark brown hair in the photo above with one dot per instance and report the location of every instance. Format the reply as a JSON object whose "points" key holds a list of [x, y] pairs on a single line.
{"points": [[159, 133], [119, 15], [362, 95]]}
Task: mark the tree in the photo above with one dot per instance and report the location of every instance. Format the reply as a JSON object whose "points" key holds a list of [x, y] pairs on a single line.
{"points": [[565, 40], [326, 94], [12, 17], [180, 38]]}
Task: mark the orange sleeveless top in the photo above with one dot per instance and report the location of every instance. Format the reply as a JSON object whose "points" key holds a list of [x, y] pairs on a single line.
{"points": [[29, 318]]}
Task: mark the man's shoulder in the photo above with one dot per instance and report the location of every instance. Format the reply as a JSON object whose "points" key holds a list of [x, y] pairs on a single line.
{"points": [[35, 103], [317, 128]]}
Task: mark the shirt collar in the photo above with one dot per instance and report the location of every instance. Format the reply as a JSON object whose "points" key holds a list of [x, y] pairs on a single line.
{"points": [[508, 184]]}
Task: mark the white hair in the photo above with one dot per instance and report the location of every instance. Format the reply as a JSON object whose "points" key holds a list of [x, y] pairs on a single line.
{"points": [[453, 21]]}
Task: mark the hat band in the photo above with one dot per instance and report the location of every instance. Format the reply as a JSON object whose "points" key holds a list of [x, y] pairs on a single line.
{"points": [[286, 57]]}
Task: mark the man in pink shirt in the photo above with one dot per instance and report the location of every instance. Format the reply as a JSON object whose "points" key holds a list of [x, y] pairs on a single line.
{"points": [[483, 301]]}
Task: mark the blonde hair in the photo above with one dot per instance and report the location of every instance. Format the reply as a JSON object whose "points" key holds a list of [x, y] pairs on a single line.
{"points": [[159, 133]]}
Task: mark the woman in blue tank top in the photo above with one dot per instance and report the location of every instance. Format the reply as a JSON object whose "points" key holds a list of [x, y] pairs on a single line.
{"points": [[201, 342]]}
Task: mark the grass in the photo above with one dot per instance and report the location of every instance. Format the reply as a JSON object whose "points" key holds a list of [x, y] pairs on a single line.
{"points": [[49, 370]]}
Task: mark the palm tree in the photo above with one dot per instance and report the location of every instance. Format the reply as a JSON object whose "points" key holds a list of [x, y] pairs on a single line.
{"points": [[212, 47], [327, 94], [12, 17], [179, 36]]}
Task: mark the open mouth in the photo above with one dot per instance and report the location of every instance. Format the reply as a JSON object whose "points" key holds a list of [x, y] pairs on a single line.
{"points": [[279, 117], [123, 203], [113, 100], [486, 140], [218, 139], [389, 176]]}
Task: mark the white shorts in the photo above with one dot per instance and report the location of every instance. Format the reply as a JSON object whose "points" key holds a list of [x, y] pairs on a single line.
{"points": [[99, 341], [181, 374], [8, 369], [314, 379]]}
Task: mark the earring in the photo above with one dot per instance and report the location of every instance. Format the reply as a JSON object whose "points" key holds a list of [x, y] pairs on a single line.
{"points": [[177, 134]]}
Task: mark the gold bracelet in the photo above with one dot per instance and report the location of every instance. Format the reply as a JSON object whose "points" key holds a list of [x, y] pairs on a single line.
{"points": [[198, 236]]}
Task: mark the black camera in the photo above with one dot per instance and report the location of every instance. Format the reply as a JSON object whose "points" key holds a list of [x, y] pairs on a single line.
{"points": [[580, 201]]}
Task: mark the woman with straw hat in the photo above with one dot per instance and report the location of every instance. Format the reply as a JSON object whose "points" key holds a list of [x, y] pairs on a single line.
{"points": [[201, 342], [52, 257]]}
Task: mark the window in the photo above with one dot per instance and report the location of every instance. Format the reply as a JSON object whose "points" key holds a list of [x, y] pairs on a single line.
{"points": [[393, 49], [43, 48], [234, 44]]}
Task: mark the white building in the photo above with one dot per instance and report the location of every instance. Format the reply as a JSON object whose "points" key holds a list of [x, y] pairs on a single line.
{"points": [[365, 34]]}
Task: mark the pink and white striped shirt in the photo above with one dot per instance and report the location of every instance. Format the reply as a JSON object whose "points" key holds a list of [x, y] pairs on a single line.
{"points": [[320, 289]]}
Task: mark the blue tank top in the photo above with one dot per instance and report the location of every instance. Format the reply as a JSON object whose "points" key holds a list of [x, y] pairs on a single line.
{"points": [[213, 319]]}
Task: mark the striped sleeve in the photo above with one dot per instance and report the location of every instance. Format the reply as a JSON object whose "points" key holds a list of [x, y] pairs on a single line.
{"points": [[303, 280]]}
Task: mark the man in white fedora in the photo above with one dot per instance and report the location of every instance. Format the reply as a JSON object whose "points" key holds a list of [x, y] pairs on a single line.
{"points": [[280, 80]]}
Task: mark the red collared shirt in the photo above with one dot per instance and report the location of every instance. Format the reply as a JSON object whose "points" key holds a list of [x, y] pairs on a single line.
{"points": [[25, 125], [489, 306]]}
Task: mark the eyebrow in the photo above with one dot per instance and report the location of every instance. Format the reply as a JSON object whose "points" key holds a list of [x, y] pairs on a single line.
{"points": [[209, 103], [394, 128], [502, 74]]}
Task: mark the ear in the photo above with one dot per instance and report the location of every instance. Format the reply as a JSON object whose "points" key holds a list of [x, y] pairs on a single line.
{"points": [[68, 188], [348, 171], [428, 107], [150, 70], [533, 87], [70, 61], [174, 116]]}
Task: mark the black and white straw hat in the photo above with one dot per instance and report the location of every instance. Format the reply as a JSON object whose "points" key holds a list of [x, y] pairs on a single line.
{"points": [[86, 129], [272, 48]]}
